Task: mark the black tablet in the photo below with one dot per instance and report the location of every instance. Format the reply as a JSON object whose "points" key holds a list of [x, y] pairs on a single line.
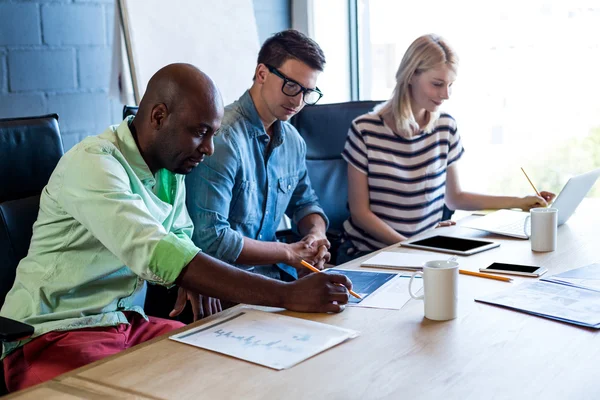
{"points": [[453, 245]]}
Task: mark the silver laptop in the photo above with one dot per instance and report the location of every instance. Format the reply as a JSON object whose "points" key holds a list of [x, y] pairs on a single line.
{"points": [[512, 223]]}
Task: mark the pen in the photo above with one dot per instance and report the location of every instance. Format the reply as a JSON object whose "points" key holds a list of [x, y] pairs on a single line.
{"points": [[488, 276], [531, 183], [313, 269]]}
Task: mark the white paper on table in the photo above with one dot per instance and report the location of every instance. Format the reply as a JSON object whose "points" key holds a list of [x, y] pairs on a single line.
{"points": [[393, 295], [561, 302], [587, 277], [273, 340], [398, 260]]}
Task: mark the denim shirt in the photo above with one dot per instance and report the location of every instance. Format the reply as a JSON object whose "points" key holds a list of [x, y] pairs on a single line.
{"points": [[247, 185]]}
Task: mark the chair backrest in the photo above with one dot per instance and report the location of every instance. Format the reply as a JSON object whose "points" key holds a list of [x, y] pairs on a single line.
{"points": [[129, 110], [324, 128], [29, 151]]}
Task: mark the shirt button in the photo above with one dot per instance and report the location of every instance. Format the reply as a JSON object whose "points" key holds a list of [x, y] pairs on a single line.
{"points": [[267, 212], [260, 236], [289, 187]]}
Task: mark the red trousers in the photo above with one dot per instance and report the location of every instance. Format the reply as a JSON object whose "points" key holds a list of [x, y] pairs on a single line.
{"points": [[55, 353]]}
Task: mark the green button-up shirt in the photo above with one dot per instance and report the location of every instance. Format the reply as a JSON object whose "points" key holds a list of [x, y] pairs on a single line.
{"points": [[105, 226]]}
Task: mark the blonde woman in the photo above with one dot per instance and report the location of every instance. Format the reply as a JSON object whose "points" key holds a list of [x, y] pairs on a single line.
{"points": [[402, 158]]}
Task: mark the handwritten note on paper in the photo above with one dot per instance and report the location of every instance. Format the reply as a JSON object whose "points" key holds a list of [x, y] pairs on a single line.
{"points": [[275, 341]]}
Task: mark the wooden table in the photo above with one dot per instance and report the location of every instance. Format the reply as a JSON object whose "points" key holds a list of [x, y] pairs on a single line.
{"points": [[487, 352]]}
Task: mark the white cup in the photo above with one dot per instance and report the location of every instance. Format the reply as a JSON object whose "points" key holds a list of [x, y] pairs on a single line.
{"points": [[544, 227], [440, 289]]}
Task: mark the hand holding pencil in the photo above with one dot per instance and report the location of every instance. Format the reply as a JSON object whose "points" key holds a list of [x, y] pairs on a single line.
{"points": [[316, 293], [313, 269], [542, 199]]}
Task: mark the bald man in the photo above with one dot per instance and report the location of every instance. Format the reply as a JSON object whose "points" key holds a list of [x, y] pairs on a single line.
{"points": [[111, 218]]}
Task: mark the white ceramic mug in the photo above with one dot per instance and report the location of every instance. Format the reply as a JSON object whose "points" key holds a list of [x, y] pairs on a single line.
{"points": [[544, 228], [440, 289]]}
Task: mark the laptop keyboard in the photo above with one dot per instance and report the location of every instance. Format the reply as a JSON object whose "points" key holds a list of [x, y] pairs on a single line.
{"points": [[502, 222], [513, 228]]}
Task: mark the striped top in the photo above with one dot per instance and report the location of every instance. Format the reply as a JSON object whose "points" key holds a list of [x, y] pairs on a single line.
{"points": [[406, 176]]}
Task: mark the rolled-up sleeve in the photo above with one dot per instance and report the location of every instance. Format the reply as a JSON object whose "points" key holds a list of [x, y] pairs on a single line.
{"points": [[170, 256], [96, 192], [304, 200], [209, 194]]}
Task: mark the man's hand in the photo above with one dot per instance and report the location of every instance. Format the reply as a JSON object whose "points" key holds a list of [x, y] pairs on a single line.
{"points": [[311, 248], [318, 293], [202, 306]]}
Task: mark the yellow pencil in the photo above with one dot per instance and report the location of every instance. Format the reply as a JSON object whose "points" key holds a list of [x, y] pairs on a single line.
{"points": [[488, 276], [313, 269], [531, 183]]}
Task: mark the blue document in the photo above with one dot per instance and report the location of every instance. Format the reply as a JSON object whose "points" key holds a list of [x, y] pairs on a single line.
{"points": [[363, 282]]}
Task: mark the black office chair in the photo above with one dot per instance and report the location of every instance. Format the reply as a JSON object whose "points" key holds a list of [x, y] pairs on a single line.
{"points": [[129, 110], [29, 151], [324, 128]]}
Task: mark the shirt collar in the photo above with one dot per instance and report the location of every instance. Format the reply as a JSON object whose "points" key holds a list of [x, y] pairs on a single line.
{"points": [[248, 109], [131, 152]]}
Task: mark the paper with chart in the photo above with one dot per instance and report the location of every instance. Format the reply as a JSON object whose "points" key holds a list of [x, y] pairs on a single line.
{"points": [[363, 282], [379, 289], [551, 300], [587, 277], [275, 341]]}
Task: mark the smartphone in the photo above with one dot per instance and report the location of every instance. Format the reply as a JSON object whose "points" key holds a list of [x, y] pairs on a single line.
{"points": [[515, 269]]}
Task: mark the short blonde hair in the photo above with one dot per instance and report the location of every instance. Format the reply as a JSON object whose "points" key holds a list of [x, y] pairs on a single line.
{"points": [[425, 53]]}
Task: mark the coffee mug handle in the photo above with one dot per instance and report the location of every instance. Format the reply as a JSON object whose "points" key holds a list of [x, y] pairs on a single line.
{"points": [[528, 234], [410, 286]]}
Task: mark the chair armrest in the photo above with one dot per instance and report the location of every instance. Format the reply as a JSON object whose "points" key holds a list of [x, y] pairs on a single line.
{"points": [[11, 330]]}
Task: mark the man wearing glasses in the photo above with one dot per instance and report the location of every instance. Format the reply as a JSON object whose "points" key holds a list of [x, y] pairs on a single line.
{"points": [[238, 196]]}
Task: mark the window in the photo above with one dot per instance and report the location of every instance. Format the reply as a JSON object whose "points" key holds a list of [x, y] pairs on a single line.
{"points": [[527, 92], [327, 22]]}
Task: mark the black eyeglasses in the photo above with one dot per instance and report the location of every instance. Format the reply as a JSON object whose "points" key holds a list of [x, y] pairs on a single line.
{"points": [[292, 88]]}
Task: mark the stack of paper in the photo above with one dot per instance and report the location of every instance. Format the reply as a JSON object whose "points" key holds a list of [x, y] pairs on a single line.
{"points": [[572, 296], [398, 260], [587, 277]]}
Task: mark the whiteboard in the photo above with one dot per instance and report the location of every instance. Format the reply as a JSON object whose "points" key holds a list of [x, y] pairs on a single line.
{"points": [[219, 37]]}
